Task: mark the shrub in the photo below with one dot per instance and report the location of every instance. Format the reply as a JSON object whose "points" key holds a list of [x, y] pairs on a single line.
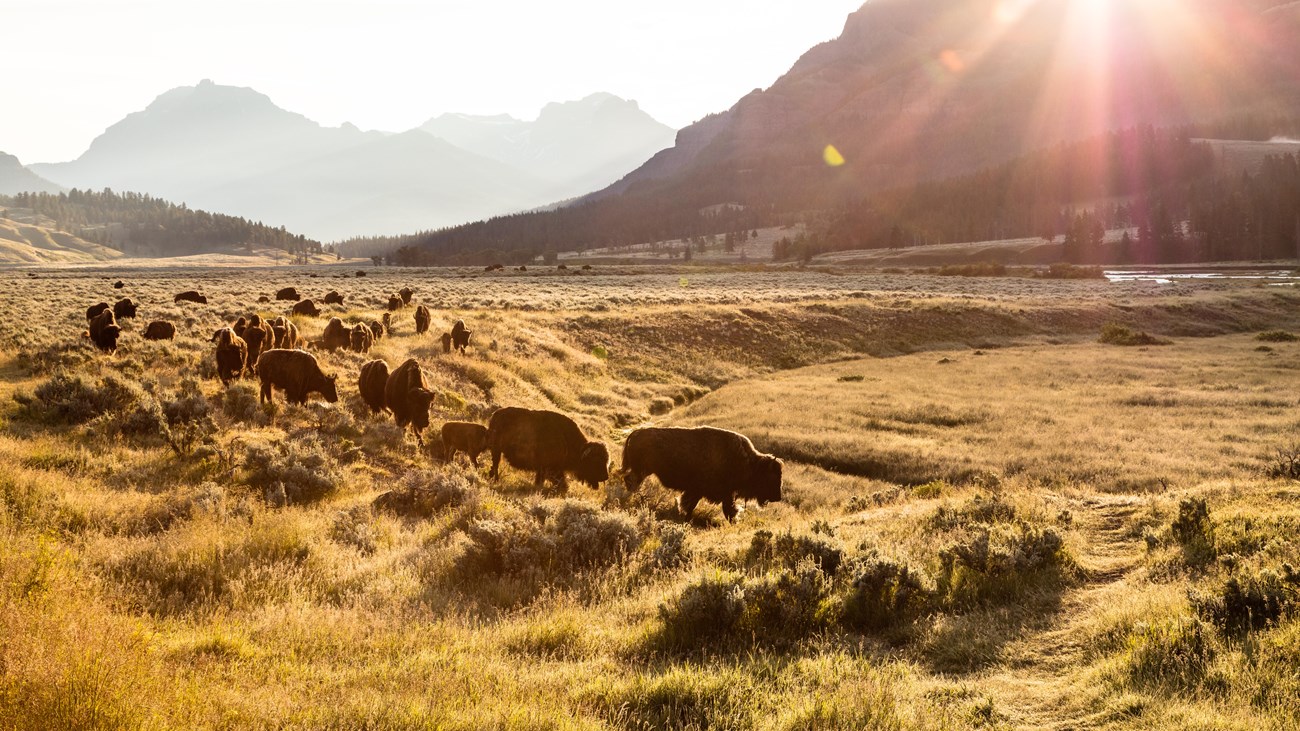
{"points": [[63, 355], [299, 469], [789, 550], [425, 493], [704, 612], [1000, 563], [1249, 601], [787, 605], [1285, 463], [883, 593], [978, 510], [671, 551], [1113, 333], [1174, 652], [71, 400], [355, 527], [1194, 532], [189, 417], [1277, 336], [239, 402]]}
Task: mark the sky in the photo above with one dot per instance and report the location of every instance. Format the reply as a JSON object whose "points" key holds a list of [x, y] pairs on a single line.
{"points": [[74, 67]]}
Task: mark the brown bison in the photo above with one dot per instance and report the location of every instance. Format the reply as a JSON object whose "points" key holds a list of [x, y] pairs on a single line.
{"points": [[372, 382], [459, 336], [360, 338], [422, 318], [405, 293], [336, 335], [103, 331], [119, 284], [288, 293], [377, 329], [298, 373], [394, 303], [549, 443], [702, 463], [232, 355], [408, 397], [286, 333], [160, 330], [306, 308], [464, 436], [333, 298], [260, 338], [190, 296], [263, 299], [446, 342], [124, 308], [93, 311]]}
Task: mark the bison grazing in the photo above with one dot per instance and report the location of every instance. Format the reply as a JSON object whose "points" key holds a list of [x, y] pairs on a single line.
{"points": [[289, 294], [160, 330], [408, 397], [373, 381], [119, 284], [394, 303], [336, 335], [232, 355], [360, 338], [377, 329], [298, 373], [103, 331], [263, 299], [422, 318], [93, 311], [459, 336], [190, 296], [124, 308], [702, 463], [549, 443], [406, 293], [307, 308], [446, 342], [260, 338], [286, 333], [333, 298], [464, 436]]}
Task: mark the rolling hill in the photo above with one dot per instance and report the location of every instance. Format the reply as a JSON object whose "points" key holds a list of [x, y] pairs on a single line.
{"points": [[30, 244]]}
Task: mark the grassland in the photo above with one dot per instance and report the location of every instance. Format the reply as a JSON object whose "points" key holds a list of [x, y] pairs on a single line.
{"points": [[991, 519]]}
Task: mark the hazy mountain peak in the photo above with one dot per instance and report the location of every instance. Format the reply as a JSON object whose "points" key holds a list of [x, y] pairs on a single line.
{"points": [[14, 178]]}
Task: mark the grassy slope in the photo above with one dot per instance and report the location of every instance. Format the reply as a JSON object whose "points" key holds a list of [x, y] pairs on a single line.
{"points": [[286, 617], [25, 244]]}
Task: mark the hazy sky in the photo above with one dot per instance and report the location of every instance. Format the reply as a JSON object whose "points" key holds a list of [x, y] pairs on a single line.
{"points": [[73, 67]]}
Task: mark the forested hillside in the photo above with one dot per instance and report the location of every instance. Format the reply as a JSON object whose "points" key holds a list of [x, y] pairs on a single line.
{"points": [[141, 225]]}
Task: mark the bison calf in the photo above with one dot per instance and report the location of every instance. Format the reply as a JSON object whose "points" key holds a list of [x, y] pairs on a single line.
{"points": [[547, 443], [702, 463], [297, 373], [160, 330], [464, 436]]}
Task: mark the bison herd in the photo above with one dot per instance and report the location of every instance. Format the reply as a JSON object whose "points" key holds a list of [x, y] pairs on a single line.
{"points": [[702, 463]]}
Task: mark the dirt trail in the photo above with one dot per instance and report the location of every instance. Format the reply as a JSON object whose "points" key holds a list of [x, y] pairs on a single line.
{"points": [[1040, 686]]}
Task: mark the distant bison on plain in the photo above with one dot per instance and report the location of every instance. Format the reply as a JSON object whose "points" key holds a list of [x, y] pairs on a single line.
{"points": [[103, 331], [191, 296], [297, 373], [124, 308], [336, 335], [702, 463], [459, 336], [286, 333], [333, 298], [289, 294], [160, 330], [422, 319], [547, 443], [406, 293], [93, 311], [306, 308], [394, 302]]}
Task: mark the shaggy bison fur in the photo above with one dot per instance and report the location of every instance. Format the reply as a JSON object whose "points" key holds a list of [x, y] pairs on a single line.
{"points": [[408, 397], [464, 436], [286, 333], [360, 338], [333, 298], [306, 308], [394, 303], [93, 311], [405, 293], [298, 373], [190, 296], [124, 308], [377, 329], [372, 382], [336, 335], [459, 336], [289, 294], [422, 318], [160, 330], [103, 331], [548, 443], [232, 355], [702, 463]]}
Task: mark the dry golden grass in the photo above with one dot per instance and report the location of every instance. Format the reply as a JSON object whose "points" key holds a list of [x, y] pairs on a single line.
{"points": [[1034, 495]]}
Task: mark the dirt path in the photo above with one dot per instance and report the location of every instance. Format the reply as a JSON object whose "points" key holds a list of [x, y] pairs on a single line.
{"points": [[1041, 685]]}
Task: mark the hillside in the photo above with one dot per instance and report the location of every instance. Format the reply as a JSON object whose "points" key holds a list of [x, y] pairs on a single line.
{"points": [[14, 178], [30, 244]]}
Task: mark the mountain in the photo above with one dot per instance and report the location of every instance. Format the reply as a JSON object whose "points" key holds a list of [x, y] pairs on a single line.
{"points": [[923, 90], [231, 149], [14, 178], [579, 146]]}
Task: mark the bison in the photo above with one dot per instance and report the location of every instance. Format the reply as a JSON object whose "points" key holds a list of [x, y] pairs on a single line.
{"points": [[119, 284], [93, 311], [336, 335], [394, 303], [406, 293], [232, 355], [124, 308], [289, 294], [160, 330], [360, 338], [464, 436], [286, 333], [446, 342], [372, 382], [298, 373], [422, 318], [377, 329], [702, 463], [263, 299], [548, 443], [333, 298], [459, 336], [103, 331], [191, 296], [407, 396], [306, 308], [260, 338]]}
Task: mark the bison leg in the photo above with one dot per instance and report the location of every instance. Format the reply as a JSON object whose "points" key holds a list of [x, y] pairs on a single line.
{"points": [[473, 458], [419, 439], [539, 481], [729, 509], [266, 392], [687, 503], [495, 472], [562, 481]]}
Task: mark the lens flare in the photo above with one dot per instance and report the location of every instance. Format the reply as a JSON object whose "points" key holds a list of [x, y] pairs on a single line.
{"points": [[832, 156], [951, 60]]}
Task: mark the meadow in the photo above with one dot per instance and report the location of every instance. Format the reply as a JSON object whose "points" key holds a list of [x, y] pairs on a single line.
{"points": [[991, 519]]}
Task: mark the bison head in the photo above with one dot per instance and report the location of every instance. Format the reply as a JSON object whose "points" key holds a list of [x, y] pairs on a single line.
{"points": [[108, 337], [330, 389], [419, 399], [765, 482], [593, 464]]}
